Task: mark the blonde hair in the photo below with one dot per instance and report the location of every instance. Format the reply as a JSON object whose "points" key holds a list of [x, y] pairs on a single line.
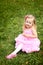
{"points": [[30, 17]]}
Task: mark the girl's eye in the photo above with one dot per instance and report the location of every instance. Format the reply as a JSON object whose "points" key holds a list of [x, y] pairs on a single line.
{"points": [[29, 22]]}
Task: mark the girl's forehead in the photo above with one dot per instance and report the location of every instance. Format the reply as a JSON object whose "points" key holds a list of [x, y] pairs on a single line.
{"points": [[28, 19]]}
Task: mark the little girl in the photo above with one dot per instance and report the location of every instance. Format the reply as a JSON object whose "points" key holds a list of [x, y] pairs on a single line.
{"points": [[27, 41]]}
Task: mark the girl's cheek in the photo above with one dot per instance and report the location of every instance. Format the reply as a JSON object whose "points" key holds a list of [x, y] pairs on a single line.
{"points": [[30, 24]]}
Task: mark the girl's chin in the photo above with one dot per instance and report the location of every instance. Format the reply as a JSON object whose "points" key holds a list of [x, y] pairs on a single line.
{"points": [[28, 27]]}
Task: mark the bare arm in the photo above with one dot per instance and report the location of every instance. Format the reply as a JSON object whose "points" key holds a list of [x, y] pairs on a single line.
{"points": [[34, 32], [34, 35]]}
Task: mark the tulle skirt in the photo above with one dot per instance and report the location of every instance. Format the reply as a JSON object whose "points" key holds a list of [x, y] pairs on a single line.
{"points": [[28, 44]]}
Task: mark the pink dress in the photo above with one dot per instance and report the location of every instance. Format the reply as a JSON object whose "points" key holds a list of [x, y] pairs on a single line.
{"points": [[29, 44]]}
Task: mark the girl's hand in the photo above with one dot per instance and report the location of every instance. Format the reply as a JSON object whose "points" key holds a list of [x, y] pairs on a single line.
{"points": [[23, 34], [28, 35]]}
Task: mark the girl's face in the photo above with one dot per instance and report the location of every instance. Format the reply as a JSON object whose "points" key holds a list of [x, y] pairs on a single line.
{"points": [[28, 23]]}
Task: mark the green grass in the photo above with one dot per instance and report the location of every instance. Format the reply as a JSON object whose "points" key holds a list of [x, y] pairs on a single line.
{"points": [[12, 14]]}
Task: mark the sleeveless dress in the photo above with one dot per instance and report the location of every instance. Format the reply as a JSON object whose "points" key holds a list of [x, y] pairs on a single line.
{"points": [[29, 44]]}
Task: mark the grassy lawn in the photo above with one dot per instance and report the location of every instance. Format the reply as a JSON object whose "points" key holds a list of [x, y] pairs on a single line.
{"points": [[12, 14]]}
